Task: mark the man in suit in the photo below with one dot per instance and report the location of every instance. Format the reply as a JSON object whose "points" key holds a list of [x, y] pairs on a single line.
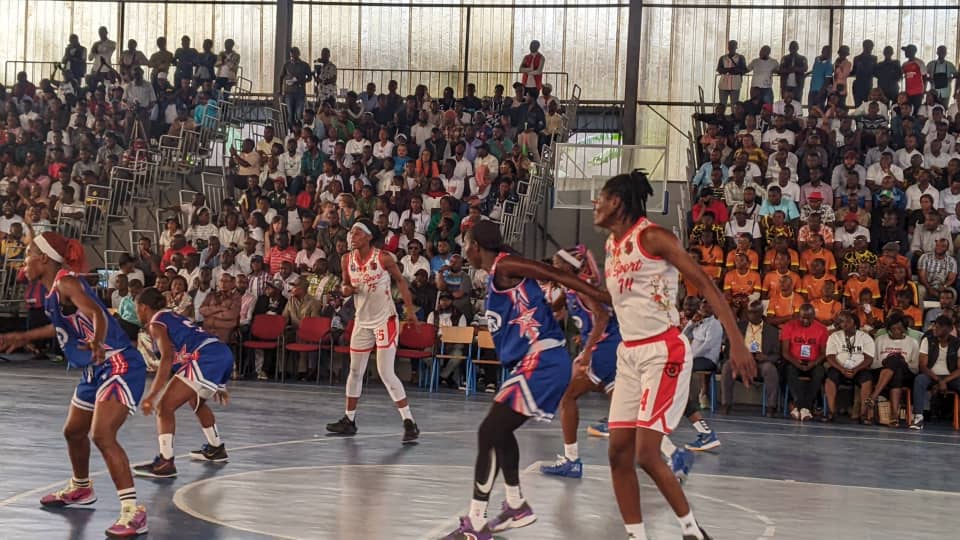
{"points": [[763, 340]]}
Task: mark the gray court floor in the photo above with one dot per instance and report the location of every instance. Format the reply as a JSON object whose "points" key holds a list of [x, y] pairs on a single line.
{"points": [[287, 479]]}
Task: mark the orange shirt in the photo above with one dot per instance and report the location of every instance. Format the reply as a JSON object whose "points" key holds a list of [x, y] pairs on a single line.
{"points": [[854, 286], [751, 254], [783, 306], [736, 283], [690, 288], [812, 288], [915, 314], [874, 313], [711, 259], [794, 259], [808, 256], [771, 281], [826, 311], [885, 265]]}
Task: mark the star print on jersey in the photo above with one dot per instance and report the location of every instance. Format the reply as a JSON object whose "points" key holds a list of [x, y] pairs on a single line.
{"points": [[527, 325]]}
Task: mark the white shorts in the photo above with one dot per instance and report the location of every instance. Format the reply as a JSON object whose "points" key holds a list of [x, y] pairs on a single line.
{"points": [[653, 383], [383, 336]]}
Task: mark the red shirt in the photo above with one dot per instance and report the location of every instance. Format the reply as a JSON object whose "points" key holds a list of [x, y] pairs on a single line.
{"points": [[806, 342], [276, 257], [720, 213], [913, 78]]}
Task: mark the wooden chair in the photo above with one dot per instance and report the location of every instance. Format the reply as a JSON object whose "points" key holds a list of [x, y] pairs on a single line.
{"points": [[450, 335], [484, 341]]}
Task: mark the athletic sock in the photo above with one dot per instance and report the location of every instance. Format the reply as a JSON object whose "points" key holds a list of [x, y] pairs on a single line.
{"points": [[702, 426], [351, 414], [478, 513], [666, 446], [128, 498], [81, 482], [212, 435], [689, 527], [405, 413], [166, 445], [571, 452], [514, 497], [636, 531]]}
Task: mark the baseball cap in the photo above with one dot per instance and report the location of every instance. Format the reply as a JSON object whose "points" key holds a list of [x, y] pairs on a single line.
{"points": [[816, 196], [850, 217], [886, 193]]}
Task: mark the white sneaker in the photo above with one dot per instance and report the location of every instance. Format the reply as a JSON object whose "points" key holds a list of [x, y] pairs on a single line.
{"points": [[916, 422], [795, 413], [805, 414]]}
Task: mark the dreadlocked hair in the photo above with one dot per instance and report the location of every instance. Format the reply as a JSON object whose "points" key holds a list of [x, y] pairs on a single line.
{"points": [[633, 189]]}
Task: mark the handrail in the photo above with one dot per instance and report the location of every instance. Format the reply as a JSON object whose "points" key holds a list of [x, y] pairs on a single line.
{"points": [[436, 80], [665, 119]]}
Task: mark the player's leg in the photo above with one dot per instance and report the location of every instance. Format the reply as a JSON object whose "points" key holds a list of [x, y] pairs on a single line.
{"points": [[386, 341], [625, 402], [568, 464], [176, 394], [362, 343], [648, 458], [79, 490], [109, 414], [213, 372], [706, 438], [214, 450]]}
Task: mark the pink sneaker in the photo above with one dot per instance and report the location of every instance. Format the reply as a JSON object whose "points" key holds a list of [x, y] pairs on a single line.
{"points": [[70, 496], [132, 522]]}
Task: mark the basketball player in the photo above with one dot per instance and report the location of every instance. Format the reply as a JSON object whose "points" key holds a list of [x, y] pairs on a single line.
{"points": [[111, 381], [529, 341], [654, 361], [367, 272], [596, 366], [201, 366]]}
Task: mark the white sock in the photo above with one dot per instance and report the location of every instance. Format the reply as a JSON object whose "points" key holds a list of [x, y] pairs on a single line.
{"points": [[702, 426], [81, 482], [128, 498], [571, 452], [212, 435], [166, 445], [514, 497], [478, 513], [351, 414], [666, 446], [405, 413], [689, 527], [636, 531]]}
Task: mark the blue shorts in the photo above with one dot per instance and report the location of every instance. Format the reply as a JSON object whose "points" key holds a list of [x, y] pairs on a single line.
{"points": [[210, 372], [536, 384], [123, 377], [603, 365]]}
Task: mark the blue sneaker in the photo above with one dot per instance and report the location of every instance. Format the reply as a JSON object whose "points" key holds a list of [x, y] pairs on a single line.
{"points": [[680, 463], [564, 467], [600, 429], [704, 442]]}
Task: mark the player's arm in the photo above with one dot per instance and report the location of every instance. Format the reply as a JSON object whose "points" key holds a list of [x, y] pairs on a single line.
{"points": [[12, 341], [519, 267], [662, 243], [162, 341], [70, 288], [390, 266], [601, 316], [346, 286]]}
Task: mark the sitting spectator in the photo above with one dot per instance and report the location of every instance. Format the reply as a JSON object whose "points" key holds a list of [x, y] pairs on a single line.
{"points": [[937, 271], [178, 300], [763, 342], [784, 304], [453, 279], [850, 353], [705, 334], [322, 282], [127, 310], [414, 261], [815, 250], [742, 281], [938, 371], [803, 343], [448, 315], [742, 224], [894, 367], [708, 202], [271, 303], [947, 301], [301, 305], [827, 307]]}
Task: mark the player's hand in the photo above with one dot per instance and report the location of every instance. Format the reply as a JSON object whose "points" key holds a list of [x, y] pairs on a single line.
{"points": [[97, 354], [222, 397], [411, 313], [147, 406], [346, 290], [12, 341], [743, 363], [581, 364]]}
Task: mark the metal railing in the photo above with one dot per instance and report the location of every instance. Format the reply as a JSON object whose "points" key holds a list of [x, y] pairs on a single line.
{"points": [[356, 79]]}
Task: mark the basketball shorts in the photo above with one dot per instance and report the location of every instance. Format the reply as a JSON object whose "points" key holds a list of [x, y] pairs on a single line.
{"points": [[382, 336], [653, 382], [603, 365], [536, 384], [209, 372], [123, 377]]}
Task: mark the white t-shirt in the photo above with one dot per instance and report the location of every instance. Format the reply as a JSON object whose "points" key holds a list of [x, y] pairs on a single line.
{"points": [[411, 268], [940, 368], [908, 347], [850, 351], [771, 136], [846, 239], [733, 230], [763, 72], [6, 222], [420, 221], [914, 193]]}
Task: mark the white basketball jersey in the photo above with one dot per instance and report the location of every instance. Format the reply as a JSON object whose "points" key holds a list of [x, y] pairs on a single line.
{"points": [[643, 287], [371, 290]]}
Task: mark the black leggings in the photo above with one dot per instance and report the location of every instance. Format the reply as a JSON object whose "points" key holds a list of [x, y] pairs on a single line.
{"points": [[497, 449]]}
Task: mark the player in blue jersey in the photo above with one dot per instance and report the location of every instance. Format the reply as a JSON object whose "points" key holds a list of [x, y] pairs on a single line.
{"points": [[595, 368], [530, 343], [113, 375], [197, 367]]}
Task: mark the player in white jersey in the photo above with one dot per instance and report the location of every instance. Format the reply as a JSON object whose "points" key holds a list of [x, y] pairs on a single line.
{"points": [[654, 361], [367, 272]]}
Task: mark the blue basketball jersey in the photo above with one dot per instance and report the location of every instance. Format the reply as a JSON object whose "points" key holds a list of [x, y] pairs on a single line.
{"points": [[583, 318], [76, 329], [186, 337], [520, 319]]}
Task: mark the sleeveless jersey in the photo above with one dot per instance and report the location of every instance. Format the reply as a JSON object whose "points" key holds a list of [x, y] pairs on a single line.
{"points": [[371, 290], [76, 329], [520, 319], [643, 287], [187, 338], [583, 318]]}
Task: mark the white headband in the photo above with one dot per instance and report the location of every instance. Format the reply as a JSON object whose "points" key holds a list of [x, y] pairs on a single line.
{"points": [[362, 227], [573, 261], [47, 249]]}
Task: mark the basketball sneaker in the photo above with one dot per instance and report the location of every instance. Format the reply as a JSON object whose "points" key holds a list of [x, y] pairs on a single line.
{"points": [[564, 467], [132, 522], [71, 495], [704, 442], [217, 454], [344, 426], [466, 532], [410, 431], [702, 533], [600, 429], [916, 422], [680, 463], [159, 468], [511, 518]]}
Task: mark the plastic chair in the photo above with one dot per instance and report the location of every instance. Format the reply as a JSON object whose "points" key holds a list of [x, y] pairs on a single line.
{"points": [[266, 332], [450, 335], [416, 342], [341, 349], [311, 334], [484, 341], [956, 410]]}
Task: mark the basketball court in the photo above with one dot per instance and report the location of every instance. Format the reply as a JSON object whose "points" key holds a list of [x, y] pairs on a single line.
{"points": [[771, 479]]}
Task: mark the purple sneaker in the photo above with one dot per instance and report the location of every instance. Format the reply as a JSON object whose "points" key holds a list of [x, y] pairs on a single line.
{"points": [[466, 532], [512, 518], [131, 523]]}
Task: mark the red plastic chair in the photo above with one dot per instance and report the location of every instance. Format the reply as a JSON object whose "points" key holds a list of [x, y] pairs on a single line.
{"points": [[340, 349], [267, 333], [311, 334], [416, 342]]}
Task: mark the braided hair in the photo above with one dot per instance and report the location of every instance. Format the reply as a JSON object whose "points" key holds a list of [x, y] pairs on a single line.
{"points": [[633, 189]]}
